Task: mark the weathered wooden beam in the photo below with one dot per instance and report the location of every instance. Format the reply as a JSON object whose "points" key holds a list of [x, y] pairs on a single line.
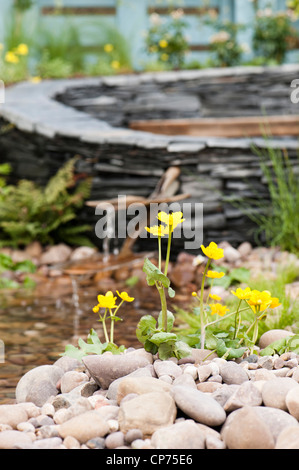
{"points": [[78, 11], [187, 10], [222, 127]]}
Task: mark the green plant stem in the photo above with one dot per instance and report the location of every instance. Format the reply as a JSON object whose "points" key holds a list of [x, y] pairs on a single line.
{"points": [[226, 316], [112, 326], [104, 326], [202, 324], [160, 253], [168, 250], [163, 306], [112, 317], [237, 312]]}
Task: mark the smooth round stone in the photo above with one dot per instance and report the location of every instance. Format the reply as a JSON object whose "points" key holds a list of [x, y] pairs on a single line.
{"points": [[115, 439], [12, 415], [273, 335], [198, 405], [38, 384], [14, 439], [274, 392]]}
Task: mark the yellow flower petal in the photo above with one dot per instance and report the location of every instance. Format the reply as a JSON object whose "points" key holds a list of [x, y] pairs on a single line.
{"points": [[242, 294], [158, 230], [219, 309], [163, 43], [11, 57], [212, 251], [107, 300], [171, 220], [108, 47], [215, 297], [215, 274], [22, 49], [125, 296]]}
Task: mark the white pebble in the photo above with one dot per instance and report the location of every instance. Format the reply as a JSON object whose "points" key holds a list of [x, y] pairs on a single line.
{"points": [[113, 425], [191, 370], [26, 427], [48, 409]]}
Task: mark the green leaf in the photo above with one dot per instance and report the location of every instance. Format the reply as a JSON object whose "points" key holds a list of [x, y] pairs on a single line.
{"points": [[150, 347], [171, 292], [153, 274], [240, 275], [293, 343], [25, 266], [6, 263], [72, 351], [147, 324], [181, 349], [170, 321], [163, 337], [275, 347], [165, 351]]}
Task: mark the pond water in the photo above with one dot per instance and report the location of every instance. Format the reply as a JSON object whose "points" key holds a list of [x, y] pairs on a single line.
{"points": [[35, 329]]}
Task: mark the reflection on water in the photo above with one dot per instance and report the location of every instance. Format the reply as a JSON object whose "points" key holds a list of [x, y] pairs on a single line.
{"points": [[35, 329]]}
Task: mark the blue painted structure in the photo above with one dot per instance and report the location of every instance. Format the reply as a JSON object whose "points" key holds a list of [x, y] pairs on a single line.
{"points": [[131, 19]]}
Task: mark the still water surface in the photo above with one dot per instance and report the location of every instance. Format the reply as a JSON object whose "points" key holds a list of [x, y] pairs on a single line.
{"points": [[36, 328]]}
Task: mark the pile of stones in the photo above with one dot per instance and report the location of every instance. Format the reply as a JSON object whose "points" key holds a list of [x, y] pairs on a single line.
{"points": [[136, 401]]}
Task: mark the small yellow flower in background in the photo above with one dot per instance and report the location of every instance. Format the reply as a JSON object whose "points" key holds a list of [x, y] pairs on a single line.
{"points": [[212, 251], [171, 220], [115, 64], [125, 296], [96, 308], [219, 309], [163, 43], [215, 274], [215, 297], [194, 294], [22, 49], [107, 300], [164, 57], [242, 294], [158, 230], [35, 79], [108, 48], [11, 57]]}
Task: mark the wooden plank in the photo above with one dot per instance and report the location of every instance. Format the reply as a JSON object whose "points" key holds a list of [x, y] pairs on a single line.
{"points": [[78, 11], [222, 127], [187, 10]]}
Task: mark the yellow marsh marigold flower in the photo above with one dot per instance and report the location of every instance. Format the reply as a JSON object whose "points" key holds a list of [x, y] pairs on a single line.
{"points": [[194, 294], [163, 43], [215, 274], [35, 79], [219, 309], [11, 57], [22, 49], [158, 230], [115, 64], [274, 302], [215, 297], [107, 300], [212, 251], [259, 301], [108, 48], [242, 294], [125, 296], [171, 220]]}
